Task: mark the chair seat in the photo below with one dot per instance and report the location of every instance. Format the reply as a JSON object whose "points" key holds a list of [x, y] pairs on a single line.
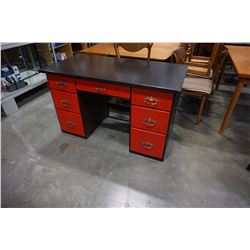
{"points": [[198, 84]]}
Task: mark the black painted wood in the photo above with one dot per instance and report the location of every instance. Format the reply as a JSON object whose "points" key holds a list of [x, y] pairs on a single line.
{"points": [[131, 72], [94, 110]]}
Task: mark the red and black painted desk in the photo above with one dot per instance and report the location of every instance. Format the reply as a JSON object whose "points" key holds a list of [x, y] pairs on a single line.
{"points": [[81, 85]]}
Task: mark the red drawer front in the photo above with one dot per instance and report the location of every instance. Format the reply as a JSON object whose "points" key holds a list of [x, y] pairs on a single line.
{"points": [[62, 83], [65, 101], [71, 122], [150, 119], [103, 88], [148, 143], [152, 99]]}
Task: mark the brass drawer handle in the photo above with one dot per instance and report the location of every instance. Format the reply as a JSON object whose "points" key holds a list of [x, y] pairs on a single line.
{"points": [[100, 89], [149, 122], [71, 124], [151, 100], [147, 145], [61, 84], [65, 103]]}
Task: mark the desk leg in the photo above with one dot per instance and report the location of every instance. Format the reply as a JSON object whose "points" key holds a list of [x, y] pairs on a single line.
{"points": [[231, 106]]}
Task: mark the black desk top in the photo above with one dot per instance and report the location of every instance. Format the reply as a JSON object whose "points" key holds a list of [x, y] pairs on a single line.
{"points": [[132, 72]]}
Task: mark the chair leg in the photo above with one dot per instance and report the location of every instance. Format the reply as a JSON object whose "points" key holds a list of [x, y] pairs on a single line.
{"points": [[206, 103], [201, 108], [217, 83]]}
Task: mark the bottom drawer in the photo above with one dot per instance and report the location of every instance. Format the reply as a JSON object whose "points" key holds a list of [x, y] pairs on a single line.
{"points": [[147, 143], [71, 122]]}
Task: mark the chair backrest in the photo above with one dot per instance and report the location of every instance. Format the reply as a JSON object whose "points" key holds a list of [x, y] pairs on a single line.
{"points": [[221, 51], [133, 47], [219, 64], [190, 50], [212, 57], [206, 69], [178, 56], [187, 47]]}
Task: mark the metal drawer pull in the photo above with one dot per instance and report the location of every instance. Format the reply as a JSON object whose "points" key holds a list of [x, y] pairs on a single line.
{"points": [[71, 124], [65, 103], [149, 122], [100, 89], [147, 145], [61, 84], [151, 100]]}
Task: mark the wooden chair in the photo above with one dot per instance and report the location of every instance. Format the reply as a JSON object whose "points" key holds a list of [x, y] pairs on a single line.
{"points": [[133, 47], [198, 86], [203, 69], [178, 56], [201, 60]]}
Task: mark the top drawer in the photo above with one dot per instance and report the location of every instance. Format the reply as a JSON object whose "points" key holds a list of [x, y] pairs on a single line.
{"points": [[103, 88], [62, 83], [152, 99]]}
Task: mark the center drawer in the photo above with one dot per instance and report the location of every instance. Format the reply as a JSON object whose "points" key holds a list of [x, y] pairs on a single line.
{"points": [[65, 101], [103, 88], [150, 119]]}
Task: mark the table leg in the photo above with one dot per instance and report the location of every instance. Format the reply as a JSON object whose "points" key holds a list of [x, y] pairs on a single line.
{"points": [[231, 106]]}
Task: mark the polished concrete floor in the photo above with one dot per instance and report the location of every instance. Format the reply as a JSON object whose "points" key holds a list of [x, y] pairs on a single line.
{"points": [[43, 167]]}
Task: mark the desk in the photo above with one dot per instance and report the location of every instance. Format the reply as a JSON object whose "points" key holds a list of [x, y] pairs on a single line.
{"points": [[159, 51], [81, 86], [240, 56]]}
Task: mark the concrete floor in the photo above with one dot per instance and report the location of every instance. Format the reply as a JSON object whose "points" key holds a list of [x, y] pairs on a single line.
{"points": [[43, 167]]}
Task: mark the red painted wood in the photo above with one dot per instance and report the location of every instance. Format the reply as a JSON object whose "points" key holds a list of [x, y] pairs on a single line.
{"points": [[62, 83], [150, 119], [148, 143], [65, 101], [152, 98], [71, 122], [103, 88]]}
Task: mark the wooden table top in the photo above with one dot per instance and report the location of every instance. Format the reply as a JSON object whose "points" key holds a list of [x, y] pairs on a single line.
{"points": [[159, 51], [240, 56]]}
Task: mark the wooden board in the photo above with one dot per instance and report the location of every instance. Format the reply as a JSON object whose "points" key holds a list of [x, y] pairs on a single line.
{"points": [[240, 56], [159, 52]]}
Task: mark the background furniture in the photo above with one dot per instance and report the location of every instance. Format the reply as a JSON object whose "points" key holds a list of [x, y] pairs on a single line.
{"points": [[240, 56], [82, 85], [178, 55], [203, 69], [78, 47], [47, 52], [26, 58], [199, 86], [159, 51], [200, 52], [133, 47]]}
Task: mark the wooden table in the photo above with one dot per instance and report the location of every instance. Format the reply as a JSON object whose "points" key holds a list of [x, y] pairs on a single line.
{"points": [[240, 56], [159, 51]]}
